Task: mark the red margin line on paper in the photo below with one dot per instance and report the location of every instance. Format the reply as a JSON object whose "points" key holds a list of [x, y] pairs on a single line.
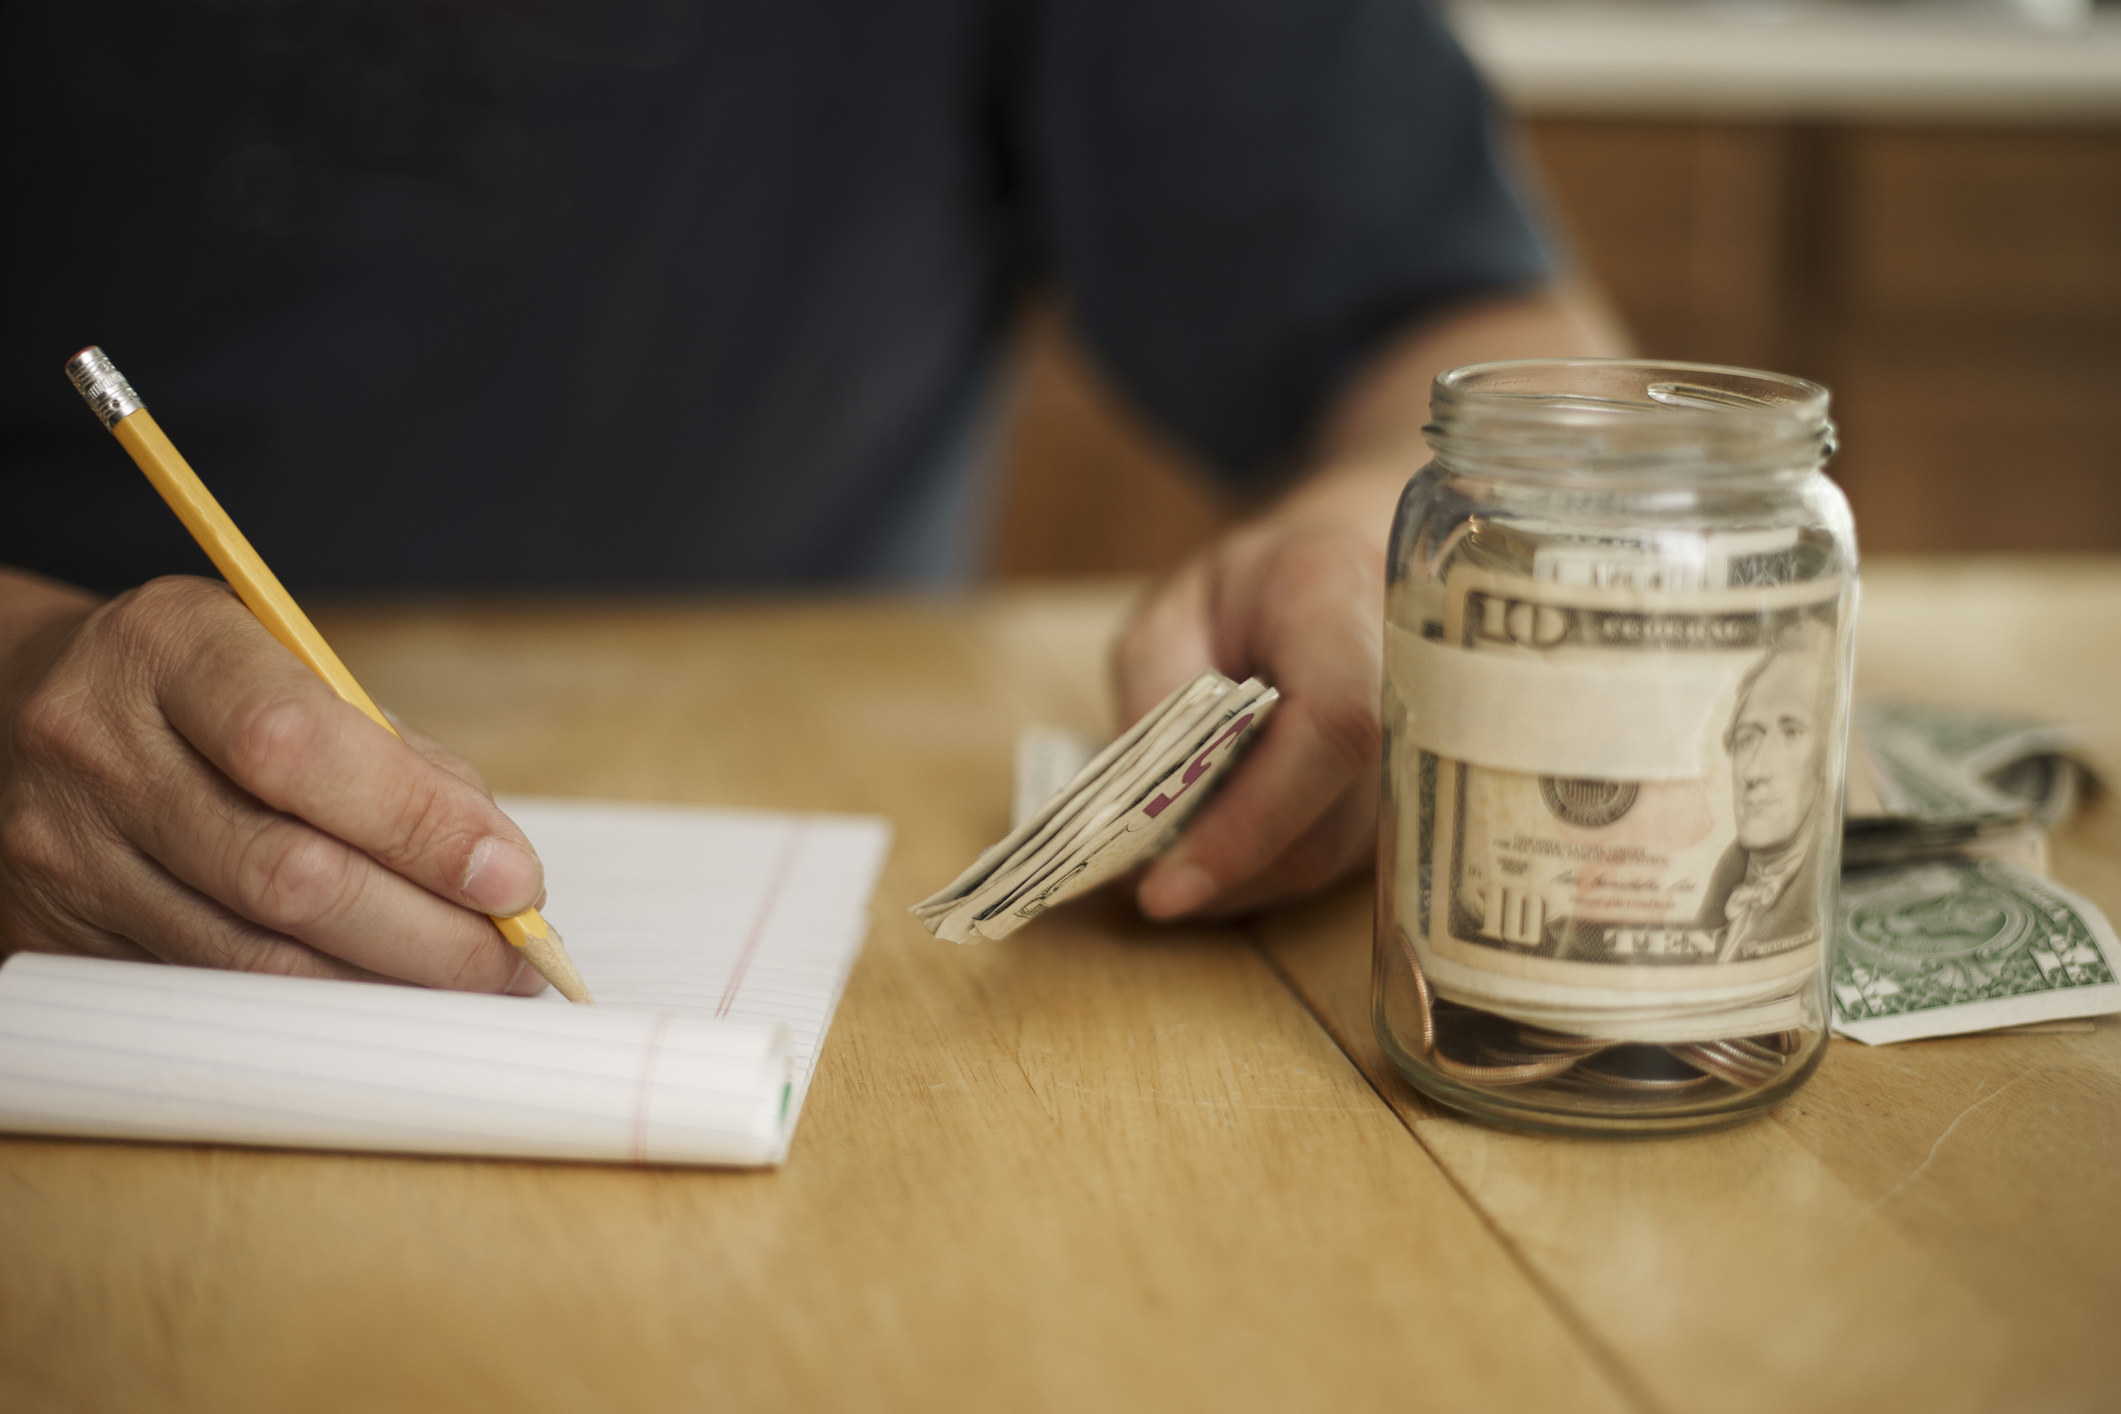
{"points": [[641, 1092], [784, 867]]}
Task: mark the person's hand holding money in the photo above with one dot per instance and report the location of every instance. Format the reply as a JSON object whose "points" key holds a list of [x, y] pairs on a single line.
{"points": [[1297, 598]]}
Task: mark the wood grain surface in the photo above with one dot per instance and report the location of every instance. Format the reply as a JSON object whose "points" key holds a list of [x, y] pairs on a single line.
{"points": [[1102, 1165]]}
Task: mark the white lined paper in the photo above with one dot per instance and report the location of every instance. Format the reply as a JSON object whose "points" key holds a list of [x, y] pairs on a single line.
{"points": [[717, 943]]}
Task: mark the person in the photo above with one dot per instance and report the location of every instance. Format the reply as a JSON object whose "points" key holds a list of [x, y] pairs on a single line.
{"points": [[1765, 889], [679, 292]]}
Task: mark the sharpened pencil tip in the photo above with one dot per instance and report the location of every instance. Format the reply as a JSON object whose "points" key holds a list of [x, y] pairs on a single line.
{"points": [[549, 956]]}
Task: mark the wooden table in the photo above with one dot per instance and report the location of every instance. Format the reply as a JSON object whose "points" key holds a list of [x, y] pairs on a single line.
{"points": [[1102, 1165]]}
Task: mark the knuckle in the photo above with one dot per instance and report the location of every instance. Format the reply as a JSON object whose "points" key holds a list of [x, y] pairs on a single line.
{"points": [[31, 846], [175, 594], [141, 621], [54, 729], [91, 705], [435, 754], [272, 738], [426, 821], [40, 876], [463, 770], [290, 880]]}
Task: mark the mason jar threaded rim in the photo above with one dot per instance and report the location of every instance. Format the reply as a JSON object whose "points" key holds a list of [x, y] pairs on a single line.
{"points": [[1617, 421]]}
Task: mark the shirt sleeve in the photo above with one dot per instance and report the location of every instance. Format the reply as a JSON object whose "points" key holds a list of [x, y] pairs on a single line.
{"points": [[1242, 197]]}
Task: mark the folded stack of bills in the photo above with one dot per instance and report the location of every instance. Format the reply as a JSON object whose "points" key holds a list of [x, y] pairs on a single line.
{"points": [[1115, 811]]}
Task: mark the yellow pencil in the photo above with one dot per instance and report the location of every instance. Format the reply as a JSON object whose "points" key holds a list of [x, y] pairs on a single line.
{"points": [[113, 401]]}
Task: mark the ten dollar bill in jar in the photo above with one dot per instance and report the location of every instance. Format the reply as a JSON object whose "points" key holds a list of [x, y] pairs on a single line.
{"points": [[1629, 797]]}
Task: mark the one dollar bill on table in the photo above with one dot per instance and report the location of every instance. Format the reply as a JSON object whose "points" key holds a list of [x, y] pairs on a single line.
{"points": [[1946, 924], [1119, 809], [1947, 946]]}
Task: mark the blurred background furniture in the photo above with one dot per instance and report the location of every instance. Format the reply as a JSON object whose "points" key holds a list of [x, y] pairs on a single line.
{"points": [[1918, 206]]}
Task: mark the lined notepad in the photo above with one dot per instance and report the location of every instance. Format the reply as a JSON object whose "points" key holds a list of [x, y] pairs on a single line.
{"points": [[717, 943]]}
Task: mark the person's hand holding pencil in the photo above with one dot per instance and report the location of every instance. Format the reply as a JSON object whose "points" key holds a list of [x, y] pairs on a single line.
{"points": [[191, 773], [173, 784]]}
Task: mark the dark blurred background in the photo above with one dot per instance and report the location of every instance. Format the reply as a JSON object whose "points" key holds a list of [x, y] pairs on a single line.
{"points": [[1918, 204]]}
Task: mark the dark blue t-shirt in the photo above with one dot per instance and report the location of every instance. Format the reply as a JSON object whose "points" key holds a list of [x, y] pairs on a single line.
{"points": [[519, 292]]}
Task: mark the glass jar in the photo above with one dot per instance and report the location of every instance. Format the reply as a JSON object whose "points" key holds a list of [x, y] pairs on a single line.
{"points": [[1619, 633]]}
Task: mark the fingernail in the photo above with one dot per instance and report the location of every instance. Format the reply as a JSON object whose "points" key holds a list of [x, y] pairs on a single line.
{"points": [[1176, 889], [526, 982], [503, 877]]}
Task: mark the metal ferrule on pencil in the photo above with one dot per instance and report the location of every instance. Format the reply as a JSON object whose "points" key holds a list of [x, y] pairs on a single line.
{"points": [[102, 386]]}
